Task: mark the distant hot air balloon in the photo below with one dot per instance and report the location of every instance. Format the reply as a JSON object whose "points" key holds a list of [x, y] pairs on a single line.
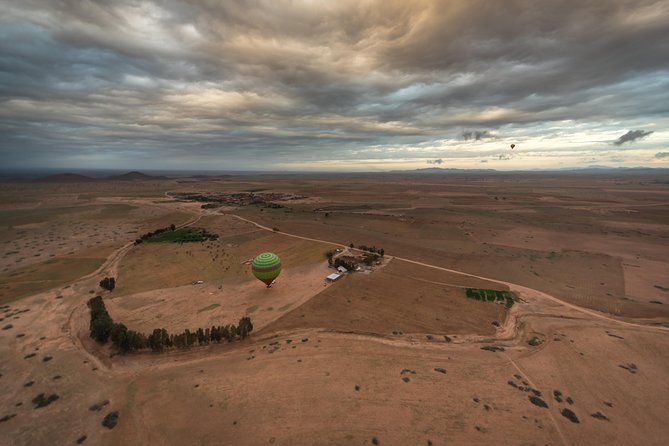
{"points": [[513, 146], [266, 267]]}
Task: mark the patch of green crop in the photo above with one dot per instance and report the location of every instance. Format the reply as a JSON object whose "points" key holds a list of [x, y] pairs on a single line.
{"points": [[183, 235]]}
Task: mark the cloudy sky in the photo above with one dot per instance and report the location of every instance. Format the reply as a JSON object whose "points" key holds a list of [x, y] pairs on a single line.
{"points": [[333, 85]]}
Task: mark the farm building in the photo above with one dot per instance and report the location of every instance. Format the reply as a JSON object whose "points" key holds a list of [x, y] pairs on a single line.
{"points": [[332, 277]]}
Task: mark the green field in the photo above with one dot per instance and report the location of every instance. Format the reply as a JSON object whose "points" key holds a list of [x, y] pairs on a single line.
{"points": [[183, 235], [484, 295]]}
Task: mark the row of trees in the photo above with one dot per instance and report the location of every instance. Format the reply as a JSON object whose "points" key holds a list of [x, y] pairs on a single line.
{"points": [[371, 249], [148, 235], [103, 329]]}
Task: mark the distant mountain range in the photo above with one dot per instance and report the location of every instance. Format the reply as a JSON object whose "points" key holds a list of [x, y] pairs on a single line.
{"points": [[593, 168], [135, 176], [77, 178], [65, 178]]}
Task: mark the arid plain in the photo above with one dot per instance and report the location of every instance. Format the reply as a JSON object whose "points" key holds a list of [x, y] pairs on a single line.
{"points": [[392, 355]]}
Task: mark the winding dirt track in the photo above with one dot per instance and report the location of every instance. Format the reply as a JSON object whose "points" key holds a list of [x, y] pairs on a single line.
{"points": [[509, 330], [513, 286], [510, 333]]}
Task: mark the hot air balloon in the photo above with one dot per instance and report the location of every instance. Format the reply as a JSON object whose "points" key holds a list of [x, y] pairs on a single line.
{"points": [[513, 146], [266, 267]]}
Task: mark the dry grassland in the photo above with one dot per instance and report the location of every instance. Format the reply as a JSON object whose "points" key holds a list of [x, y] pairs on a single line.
{"points": [[363, 360]]}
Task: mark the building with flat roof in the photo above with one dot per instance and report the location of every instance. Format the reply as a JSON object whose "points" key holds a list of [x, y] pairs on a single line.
{"points": [[332, 277]]}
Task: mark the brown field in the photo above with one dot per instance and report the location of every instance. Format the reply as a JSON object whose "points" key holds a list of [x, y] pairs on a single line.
{"points": [[347, 362], [391, 300]]}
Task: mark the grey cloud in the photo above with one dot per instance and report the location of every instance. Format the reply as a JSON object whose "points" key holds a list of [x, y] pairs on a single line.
{"points": [[475, 135], [630, 136], [662, 155], [290, 81], [437, 161]]}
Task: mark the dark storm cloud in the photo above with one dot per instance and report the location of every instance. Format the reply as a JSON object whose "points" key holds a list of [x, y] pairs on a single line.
{"points": [[286, 81], [475, 135], [630, 136]]}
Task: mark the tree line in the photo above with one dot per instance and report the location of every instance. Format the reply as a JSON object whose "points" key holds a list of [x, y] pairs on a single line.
{"points": [[371, 249], [103, 329], [150, 234]]}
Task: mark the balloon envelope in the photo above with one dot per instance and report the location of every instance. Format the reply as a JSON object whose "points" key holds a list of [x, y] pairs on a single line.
{"points": [[266, 267], [513, 146]]}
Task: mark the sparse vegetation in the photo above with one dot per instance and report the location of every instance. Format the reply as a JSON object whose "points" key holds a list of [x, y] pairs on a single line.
{"points": [[630, 367], [110, 420], [42, 400], [7, 417], [537, 401], [534, 341], [492, 348], [570, 415], [98, 406]]}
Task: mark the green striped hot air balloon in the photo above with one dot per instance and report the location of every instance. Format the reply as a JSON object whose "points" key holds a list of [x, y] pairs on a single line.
{"points": [[266, 267]]}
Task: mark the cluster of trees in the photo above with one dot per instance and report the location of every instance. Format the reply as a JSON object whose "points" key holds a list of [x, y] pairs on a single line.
{"points": [[346, 262], [103, 328], [148, 235], [108, 283], [369, 258], [101, 322]]}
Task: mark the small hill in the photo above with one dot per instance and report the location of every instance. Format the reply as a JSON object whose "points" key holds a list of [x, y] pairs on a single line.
{"points": [[135, 176], [65, 178]]}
